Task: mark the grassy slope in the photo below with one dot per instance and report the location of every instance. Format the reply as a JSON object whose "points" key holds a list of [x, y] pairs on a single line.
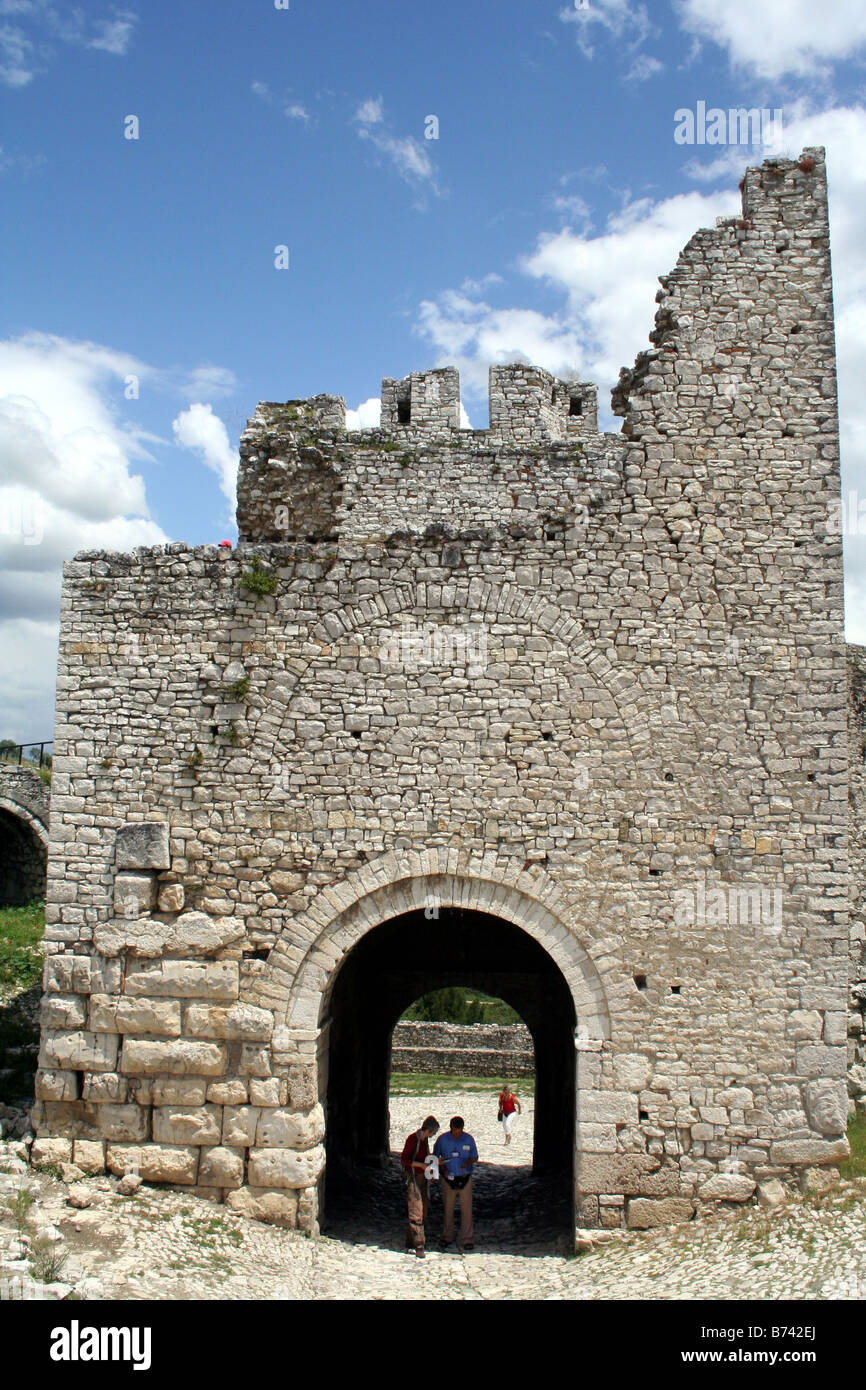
{"points": [[21, 931]]}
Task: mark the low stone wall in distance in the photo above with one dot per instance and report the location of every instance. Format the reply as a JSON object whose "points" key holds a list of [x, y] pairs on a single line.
{"points": [[457, 1049]]}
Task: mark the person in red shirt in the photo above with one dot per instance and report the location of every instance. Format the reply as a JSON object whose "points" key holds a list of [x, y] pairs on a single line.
{"points": [[508, 1106], [416, 1150]]}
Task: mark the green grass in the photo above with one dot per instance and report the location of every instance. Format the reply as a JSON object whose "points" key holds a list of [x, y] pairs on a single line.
{"points": [[435, 1083], [855, 1166], [21, 931]]}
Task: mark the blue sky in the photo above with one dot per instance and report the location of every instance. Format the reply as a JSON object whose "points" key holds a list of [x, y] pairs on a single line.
{"points": [[535, 225]]}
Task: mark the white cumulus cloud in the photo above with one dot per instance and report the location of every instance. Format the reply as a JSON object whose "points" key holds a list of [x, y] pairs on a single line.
{"points": [[775, 37], [200, 430]]}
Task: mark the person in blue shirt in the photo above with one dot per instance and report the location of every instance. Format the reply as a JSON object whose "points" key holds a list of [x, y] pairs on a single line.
{"points": [[458, 1155]]}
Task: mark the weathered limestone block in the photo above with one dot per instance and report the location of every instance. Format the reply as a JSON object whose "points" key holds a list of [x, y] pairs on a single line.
{"points": [[265, 1092], [64, 1011], [184, 979], [197, 1125], [171, 1090], [643, 1213], [277, 1208], [804, 1025], [154, 1162], [119, 1122], [191, 934], [771, 1194], [143, 845], [171, 897], [827, 1106], [45, 1153], [608, 1107], [81, 1051], [255, 1061], [808, 1151], [284, 1167], [134, 897], [626, 1173], [105, 1087], [239, 1126], [284, 1129], [303, 1087], [820, 1061], [727, 1187], [57, 1085], [228, 1092], [67, 975], [143, 1057], [308, 1210], [632, 1071], [241, 1022], [221, 1167], [116, 1014], [196, 934], [89, 1155]]}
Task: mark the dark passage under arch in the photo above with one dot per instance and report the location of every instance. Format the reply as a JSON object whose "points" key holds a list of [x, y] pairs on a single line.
{"points": [[389, 968], [22, 861]]}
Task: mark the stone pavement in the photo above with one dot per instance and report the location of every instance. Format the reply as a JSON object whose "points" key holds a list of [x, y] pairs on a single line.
{"points": [[165, 1244]]}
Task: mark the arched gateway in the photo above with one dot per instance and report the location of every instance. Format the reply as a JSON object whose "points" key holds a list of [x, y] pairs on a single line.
{"points": [[583, 694]]}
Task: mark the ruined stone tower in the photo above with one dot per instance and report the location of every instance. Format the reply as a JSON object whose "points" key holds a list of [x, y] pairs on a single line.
{"points": [[556, 713]]}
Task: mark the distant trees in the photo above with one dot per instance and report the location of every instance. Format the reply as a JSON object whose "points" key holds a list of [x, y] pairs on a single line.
{"points": [[456, 1004]]}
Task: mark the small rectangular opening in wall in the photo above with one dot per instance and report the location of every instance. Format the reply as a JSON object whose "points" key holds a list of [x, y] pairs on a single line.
{"points": [[575, 406], [404, 412]]}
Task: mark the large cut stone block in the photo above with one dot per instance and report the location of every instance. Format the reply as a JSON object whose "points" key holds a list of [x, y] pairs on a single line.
{"points": [[727, 1187], [220, 1167], [89, 1155], [134, 896], [194, 1125], [105, 1088], [154, 1162], [285, 1168], [143, 1057], [827, 1106], [57, 1085], [285, 1129], [64, 1011], [808, 1151], [172, 1090], [633, 1174], [632, 1071], [819, 1061], [607, 1107], [119, 1122], [143, 846], [239, 1125], [184, 979], [191, 934], [81, 1051], [67, 975], [113, 1014], [46, 1153], [643, 1213], [277, 1208], [243, 1022]]}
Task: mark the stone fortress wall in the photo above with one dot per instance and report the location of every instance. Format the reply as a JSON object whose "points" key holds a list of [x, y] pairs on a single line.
{"points": [[857, 860], [463, 1049], [591, 684]]}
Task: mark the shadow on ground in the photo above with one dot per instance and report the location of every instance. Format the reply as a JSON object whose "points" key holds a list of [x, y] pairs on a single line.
{"points": [[514, 1211], [19, 1046]]}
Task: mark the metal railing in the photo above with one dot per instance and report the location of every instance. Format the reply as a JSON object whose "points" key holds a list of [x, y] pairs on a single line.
{"points": [[14, 753]]}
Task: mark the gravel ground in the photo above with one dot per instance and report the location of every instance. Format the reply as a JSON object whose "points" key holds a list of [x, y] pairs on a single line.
{"points": [[170, 1245]]}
